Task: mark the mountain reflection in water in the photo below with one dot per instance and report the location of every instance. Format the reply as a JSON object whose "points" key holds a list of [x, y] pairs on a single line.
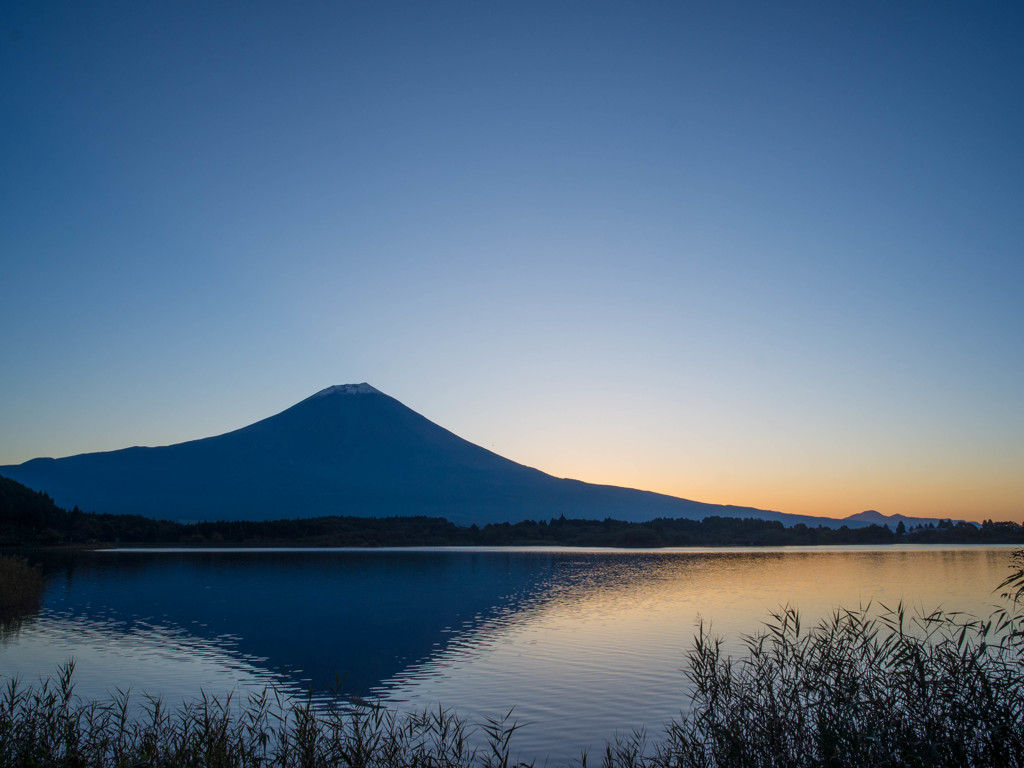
{"points": [[320, 617]]}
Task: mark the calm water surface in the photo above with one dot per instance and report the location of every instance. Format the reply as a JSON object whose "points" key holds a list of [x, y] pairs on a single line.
{"points": [[583, 643]]}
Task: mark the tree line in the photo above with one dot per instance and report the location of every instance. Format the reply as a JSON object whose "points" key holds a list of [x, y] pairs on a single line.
{"points": [[30, 518]]}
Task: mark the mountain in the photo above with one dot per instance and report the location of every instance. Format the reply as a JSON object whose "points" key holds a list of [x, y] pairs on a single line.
{"points": [[347, 450]]}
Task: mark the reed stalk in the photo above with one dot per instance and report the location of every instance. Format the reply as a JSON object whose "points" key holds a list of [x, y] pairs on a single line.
{"points": [[21, 585]]}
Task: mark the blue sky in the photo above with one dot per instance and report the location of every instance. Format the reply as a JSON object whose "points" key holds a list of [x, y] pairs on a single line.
{"points": [[749, 253]]}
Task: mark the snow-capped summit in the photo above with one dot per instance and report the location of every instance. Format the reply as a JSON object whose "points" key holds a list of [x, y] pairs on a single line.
{"points": [[348, 389]]}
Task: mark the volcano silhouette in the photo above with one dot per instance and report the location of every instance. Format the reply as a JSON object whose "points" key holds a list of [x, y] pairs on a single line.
{"points": [[347, 450]]}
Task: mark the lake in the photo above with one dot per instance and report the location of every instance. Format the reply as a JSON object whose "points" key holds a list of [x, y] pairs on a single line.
{"points": [[583, 644]]}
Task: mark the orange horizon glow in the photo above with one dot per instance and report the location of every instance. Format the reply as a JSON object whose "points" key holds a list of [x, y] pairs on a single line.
{"points": [[948, 497]]}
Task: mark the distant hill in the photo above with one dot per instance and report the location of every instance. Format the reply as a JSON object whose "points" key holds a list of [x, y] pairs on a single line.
{"points": [[347, 450], [24, 510], [871, 517]]}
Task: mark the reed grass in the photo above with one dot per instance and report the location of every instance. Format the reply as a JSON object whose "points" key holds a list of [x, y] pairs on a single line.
{"points": [[865, 687], [48, 725], [21, 594], [860, 688], [21, 585]]}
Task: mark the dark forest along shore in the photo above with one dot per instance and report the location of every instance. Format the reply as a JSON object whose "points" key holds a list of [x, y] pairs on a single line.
{"points": [[582, 642]]}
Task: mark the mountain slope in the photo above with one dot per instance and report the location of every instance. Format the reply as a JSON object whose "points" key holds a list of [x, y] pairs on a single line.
{"points": [[347, 450]]}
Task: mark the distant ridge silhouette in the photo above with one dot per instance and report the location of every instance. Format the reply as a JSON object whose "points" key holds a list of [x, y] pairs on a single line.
{"points": [[346, 450], [871, 516]]}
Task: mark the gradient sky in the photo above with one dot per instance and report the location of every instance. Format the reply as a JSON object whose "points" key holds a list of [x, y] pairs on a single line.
{"points": [[766, 254]]}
